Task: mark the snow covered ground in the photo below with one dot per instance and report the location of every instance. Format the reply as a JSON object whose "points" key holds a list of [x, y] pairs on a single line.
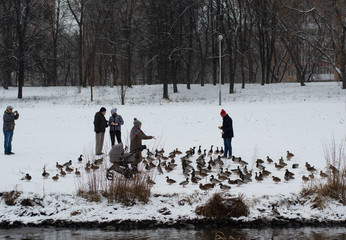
{"points": [[56, 125]]}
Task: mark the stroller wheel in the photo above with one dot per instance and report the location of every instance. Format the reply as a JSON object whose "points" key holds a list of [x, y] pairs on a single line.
{"points": [[109, 175]]}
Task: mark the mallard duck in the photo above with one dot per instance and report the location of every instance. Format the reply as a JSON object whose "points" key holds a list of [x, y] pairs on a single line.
{"points": [[68, 169], [195, 179], [259, 166], [236, 159], [94, 167], [45, 174], [288, 175], [228, 173], [305, 179], [199, 152], [289, 155], [311, 169], [62, 173], [217, 151], [80, 159], [278, 166], [206, 187], [158, 167], [88, 164], [311, 176], [334, 170], [221, 151], [322, 174], [239, 182], [236, 171], [98, 161], [307, 165], [242, 163], [282, 162], [87, 169], [269, 160], [27, 177], [170, 180], [150, 181], [210, 151], [177, 152], [214, 180], [233, 182], [276, 179], [184, 183], [67, 164], [295, 165], [258, 178], [224, 187], [58, 166], [221, 177], [259, 161], [168, 168], [77, 173], [265, 173], [55, 178]]}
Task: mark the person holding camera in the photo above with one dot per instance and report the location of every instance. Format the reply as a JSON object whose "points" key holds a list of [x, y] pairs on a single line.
{"points": [[136, 136], [100, 124], [8, 128], [115, 122]]}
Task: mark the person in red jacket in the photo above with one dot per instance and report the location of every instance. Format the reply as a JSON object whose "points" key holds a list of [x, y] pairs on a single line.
{"points": [[227, 133]]}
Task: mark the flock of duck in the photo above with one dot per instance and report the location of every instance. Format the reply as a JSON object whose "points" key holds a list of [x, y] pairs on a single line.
{"points": [[197, 165]]}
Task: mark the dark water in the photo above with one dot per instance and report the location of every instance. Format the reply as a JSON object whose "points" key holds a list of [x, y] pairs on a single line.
{"points": [[308, 233]]}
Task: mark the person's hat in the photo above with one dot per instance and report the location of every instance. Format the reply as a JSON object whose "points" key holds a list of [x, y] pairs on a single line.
{"points": [[114, 110], [103, 109], [9, 107], [223, 112], [137, 123]]}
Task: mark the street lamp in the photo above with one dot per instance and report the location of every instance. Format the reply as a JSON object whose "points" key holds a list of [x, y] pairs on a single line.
{"points": [[220, 39]]}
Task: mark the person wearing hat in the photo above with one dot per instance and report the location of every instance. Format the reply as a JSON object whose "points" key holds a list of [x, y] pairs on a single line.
{"points": [[114, 123], [8, 128], [100, 124], [136, 136], [227, 133]]}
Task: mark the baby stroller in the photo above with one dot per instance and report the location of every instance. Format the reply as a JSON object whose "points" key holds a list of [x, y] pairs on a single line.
{"points": [[121, 161]]}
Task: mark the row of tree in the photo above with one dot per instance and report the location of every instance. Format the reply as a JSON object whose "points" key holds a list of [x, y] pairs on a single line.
{"points": [[126, 42]]}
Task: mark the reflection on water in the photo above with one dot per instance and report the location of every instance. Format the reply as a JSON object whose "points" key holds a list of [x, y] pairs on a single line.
{"points": [[306, 233]]}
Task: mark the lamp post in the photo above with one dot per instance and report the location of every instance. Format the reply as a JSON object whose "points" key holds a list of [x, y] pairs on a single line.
{"points": [[220, 39]]}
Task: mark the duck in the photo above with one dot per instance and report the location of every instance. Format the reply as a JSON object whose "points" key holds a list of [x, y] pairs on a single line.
{"points": [[27, 177], [94, 167], [307, 165], [236, 159], [80, 159], [150, 181], [227, 172], [217, 151], [322, 174], [221, 177], [45, 174], [311, 176], [289, 155], [245, 178], [311, 169], [258, 178], [305, 179], [236, 171], [259, 166], [282, 162], [88, 164], [269, 160], [334, 170], [278, 166], [177, 152], [233, 182], [62, 173], [239, 182], [210, 151], [214, 180], [242, 163], [199, 152], [158, 167], [276, 179], [98, 161], [87, 169], [224, 187], [170, 180], [221, 151], [206, 186], [295, 165], [77, 173], [68, 169], [58, 166], [55, 178], [288, 175], [67, 164], [168, 168], [184, 183], [265, 173], [259, 161]]}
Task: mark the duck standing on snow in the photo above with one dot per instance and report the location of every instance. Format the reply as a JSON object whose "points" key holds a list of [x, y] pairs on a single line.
{"points": [[227, 133]]}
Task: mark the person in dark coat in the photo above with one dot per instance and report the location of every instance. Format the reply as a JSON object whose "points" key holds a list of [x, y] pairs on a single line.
{"points": [[227, 133], [114, 123], [100, 124], [136, 136], [8, 128]]}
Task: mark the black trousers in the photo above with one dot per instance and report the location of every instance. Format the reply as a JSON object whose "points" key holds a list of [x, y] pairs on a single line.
{"points": [[114, 134]]}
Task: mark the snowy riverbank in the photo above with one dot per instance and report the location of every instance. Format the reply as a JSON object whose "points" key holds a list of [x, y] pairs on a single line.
{"points": [[55, 125]]}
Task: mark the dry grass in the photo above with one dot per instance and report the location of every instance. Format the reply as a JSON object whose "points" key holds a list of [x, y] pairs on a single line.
{"points": [[11, 197], [129, 191], [221, 236], [335, 186], [221, 207]]}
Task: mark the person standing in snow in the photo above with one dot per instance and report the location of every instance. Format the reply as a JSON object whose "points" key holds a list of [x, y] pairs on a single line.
{"points": [[100, 124], [115, 122], [227, 133], [8, 128], [136, 136]]}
